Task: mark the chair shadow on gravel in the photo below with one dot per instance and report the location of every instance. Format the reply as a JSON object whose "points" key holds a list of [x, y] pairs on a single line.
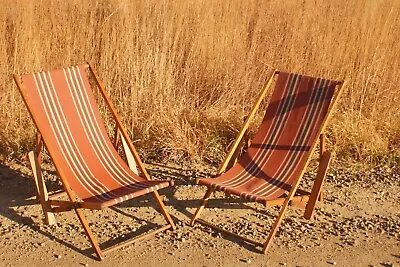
{"points": [[182, 180], [18, 190], [183, 205]]}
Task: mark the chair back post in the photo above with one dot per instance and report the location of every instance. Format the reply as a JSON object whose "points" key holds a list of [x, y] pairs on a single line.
{"points": [[245, 126], [119, 123]]}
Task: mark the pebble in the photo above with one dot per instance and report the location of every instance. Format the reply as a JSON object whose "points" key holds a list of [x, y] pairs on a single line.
{"points": [[248, 261], [332, 262]]}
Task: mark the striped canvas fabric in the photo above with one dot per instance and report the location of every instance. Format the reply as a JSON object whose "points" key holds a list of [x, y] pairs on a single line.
{"points": [[281, 146], [67, 116]]}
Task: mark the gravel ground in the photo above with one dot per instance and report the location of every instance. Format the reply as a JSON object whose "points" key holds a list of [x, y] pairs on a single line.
{"points": [[357, 224]]}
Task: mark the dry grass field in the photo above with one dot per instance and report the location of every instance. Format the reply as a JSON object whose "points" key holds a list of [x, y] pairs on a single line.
{"points": [[183, 74]]}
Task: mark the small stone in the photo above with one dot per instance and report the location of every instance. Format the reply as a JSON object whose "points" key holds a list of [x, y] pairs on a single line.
{"points": [[283, 263], [332, 262], [248, 261], [58, 256]]}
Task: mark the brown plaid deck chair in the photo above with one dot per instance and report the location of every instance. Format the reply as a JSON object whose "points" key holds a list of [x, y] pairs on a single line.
{"points": [[270, 171], [70, 126]]}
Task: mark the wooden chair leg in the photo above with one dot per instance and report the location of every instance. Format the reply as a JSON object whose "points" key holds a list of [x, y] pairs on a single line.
{"points": [[201, 207], [276, 225], [163, 209], [317, 187], [41, 189], [89, 233]]}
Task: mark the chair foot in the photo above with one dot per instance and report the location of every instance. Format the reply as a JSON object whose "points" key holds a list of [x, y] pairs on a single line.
{"points": [[41, 188], [196, 215], [164, 212], [89, 234]]}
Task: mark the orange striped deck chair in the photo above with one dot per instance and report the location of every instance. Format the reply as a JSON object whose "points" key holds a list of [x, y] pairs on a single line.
{"points": [[270, 170], [94, 176]]}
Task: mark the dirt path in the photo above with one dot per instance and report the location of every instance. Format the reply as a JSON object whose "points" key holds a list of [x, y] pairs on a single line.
{"points": [[358, 224]]}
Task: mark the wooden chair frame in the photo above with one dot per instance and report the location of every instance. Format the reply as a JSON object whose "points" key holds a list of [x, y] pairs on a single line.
{"points": [[49, 202], [297, 197]]}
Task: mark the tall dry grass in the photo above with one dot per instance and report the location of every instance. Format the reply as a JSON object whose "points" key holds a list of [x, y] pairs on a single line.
{"points": [[184, 73]]}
